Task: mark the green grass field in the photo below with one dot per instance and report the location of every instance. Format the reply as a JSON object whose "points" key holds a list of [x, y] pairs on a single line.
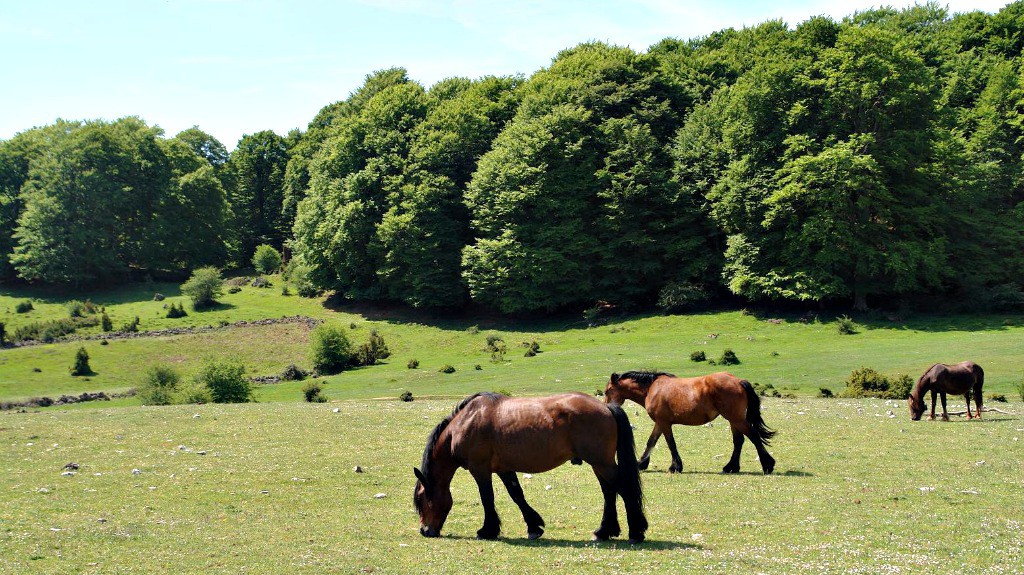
{"points": [[855, 491], [795, 357]]}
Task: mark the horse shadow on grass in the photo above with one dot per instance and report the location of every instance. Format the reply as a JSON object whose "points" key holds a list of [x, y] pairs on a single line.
{"points": [[613, 545], [790, 473]]}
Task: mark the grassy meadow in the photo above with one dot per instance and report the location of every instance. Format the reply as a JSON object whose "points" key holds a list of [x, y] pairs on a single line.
{"points": [[270, 488], [797, 358]]}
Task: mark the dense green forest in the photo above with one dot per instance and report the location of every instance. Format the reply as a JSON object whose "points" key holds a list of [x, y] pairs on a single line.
{"points": [[867, 161]]}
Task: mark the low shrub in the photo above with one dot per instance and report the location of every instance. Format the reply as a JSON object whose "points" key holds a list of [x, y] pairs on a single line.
{"points": [[478, 367], [23, 307], [176, 311], [203, 287], [81, 309], [266, 259], [846, 325], [105, 321], [532, 349], [81, 365], [234, 289], [330, 349], [698, 356], [413, 364], [765, 390], [496, 346], [447, 368], [293, 373], [682, 296], [3, 333], [312, 392], [285, 291], [237, 282], [729, 358], [49, 331], [866, 382], [261, 282], [406, 396], [132, 326], [226, 381], [997, 397], [158, 297], [825, 392], [371, 352], [473, 329], [159, 386], [193, 392]]}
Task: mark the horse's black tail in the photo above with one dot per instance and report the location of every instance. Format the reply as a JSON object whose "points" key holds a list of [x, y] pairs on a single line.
{"points": [[754, 418], [627, 476]]}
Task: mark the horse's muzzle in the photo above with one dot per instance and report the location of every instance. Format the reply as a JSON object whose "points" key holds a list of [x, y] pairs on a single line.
{"points": [[428, 531]]}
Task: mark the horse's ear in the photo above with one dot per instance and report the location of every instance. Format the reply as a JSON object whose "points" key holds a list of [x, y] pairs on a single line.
{"points": [[615, 378], [420, 476]]}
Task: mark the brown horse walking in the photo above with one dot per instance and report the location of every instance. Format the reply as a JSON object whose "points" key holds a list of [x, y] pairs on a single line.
{"points": [[490, 433], [695, 401], [964, 378]]}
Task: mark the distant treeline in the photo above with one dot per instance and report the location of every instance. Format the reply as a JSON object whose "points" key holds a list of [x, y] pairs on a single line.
{"points": [[870, 160]]}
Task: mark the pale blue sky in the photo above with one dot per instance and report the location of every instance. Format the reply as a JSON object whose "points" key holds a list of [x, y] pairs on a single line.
{"points": [[234, 67]]}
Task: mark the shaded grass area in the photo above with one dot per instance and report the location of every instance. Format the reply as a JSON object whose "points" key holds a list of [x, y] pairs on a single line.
{"points": [[855, 492]]}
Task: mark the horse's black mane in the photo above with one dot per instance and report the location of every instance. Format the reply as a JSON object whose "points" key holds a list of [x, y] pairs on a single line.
{"points": [[644, 377], [436, 434]]}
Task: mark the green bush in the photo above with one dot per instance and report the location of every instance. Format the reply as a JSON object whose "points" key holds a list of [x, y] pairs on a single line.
{"points": [[825, 392], [158, 297], [176, 311], [203, 287], [496, 346], [106, 323], [311, 391], [330, 349], [765, 390], [447, 368], [997, 397], [3, 333], [81, 365], [234, 289], [49, 331], [406, 396], [131, 326], [293, 373], [846, 325], [371, 352], [866, 382], [226, 381], [478, 367], [81, 309], [698, 356], [729, 358], [413, 364], [681, 296], [298, 274], [159, 386], [24, 307], [261, 282], [194, 392], [266, 260]]}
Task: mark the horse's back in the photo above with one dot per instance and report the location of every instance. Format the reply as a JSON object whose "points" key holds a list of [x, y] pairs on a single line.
{"points": [[955, 378], [695, 400], [536, 434]]}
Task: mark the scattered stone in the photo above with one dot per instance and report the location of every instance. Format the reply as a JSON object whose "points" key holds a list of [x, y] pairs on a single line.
{"points": [[42, 490], [338, 410], [74, 466], [195, 416], [926, 489], [136, 471], [527, 476], [68, 474], [380, 496], [181, 448], [101, 520], [547, 488], [201, 452], [969, 492], [264, 491], [982, 462]]}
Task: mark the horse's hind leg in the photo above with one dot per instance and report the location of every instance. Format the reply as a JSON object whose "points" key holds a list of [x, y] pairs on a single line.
{"points": [[967, 397], [945, 416], [935, 395], [737, 446], [610, 517], [534, 522], [645, 459], [492, 523], [677, 462]]}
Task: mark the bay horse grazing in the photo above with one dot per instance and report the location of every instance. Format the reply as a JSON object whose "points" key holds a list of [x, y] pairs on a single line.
{"points": [[965, 378], [695, 401], [490, 433]]}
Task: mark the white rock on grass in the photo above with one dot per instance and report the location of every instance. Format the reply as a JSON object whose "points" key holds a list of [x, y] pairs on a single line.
{"points": [[380, 496], [136, 471]]}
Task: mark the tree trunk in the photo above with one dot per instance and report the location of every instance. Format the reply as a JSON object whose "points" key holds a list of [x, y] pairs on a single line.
{"points": [[860, 300]]}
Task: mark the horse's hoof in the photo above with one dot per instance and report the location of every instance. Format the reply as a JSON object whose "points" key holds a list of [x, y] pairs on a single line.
{"points": [[643, 464], [597, 537], [636, 540], [675, 469], [534, 535], [486, 535], [730, 469]]}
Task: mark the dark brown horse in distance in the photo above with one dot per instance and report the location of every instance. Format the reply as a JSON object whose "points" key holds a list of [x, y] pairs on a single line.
{"points": [[965, 378], [695, 401], [490, 433]]}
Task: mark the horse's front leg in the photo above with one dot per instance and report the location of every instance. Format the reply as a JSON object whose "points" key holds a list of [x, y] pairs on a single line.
{"points": [[677, 462], [645, 459], [967, 397], [492, 523], [534, 522], [945, 416], [935, 395]]}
